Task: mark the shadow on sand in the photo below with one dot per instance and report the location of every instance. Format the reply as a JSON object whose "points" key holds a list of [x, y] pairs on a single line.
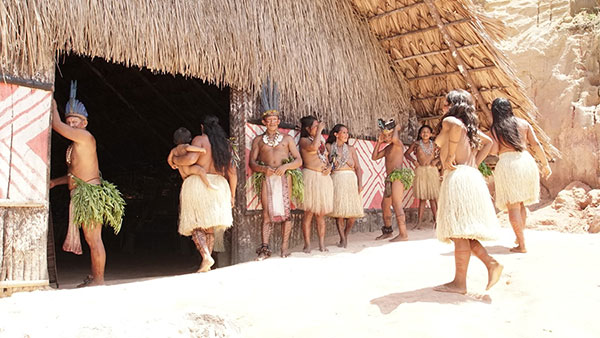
{"points": [[492, 250], [390, 302]]}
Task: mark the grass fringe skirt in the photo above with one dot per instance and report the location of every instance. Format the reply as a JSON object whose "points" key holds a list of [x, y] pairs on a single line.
{"points": [[426, 185], [465, 208], [517, 179], [347, 202], [318, 192], [203, 208]]}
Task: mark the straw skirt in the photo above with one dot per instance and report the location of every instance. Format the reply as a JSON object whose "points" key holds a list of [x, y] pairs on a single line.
{"points": [[318, 192], [427, 183], [347, 202], [203, 208], [465, 208], [517, 179]]}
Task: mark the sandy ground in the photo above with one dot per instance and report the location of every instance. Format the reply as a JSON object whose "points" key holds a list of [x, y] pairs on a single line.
{"points": [[378, 289]]}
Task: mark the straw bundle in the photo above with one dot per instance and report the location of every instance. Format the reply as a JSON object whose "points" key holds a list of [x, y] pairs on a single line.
{"points": [[321, 53], [409, 32]]}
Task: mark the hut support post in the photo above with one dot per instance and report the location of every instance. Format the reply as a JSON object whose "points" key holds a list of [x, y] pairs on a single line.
{"points": [[461, 64], [242, 106]]}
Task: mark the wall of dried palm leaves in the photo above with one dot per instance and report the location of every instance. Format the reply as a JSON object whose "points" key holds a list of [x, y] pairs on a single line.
{"points": [[320, 52]]}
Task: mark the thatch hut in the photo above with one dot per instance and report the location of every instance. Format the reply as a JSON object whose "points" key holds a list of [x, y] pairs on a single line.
{"points": [[146, 68]]}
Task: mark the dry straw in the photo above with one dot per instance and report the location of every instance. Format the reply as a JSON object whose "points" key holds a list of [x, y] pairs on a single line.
{"points": [[321, 53], [409, 32]]}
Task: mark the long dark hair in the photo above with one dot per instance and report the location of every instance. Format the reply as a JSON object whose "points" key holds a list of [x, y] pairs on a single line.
{"points": [[504, 124], [423, 127], [306, 122], [453, 98], [218, 143], [336, 129], [466, 113]]}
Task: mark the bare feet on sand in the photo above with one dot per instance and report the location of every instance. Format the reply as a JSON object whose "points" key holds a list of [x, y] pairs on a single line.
{"points": [[451, 287], [383, 236], [399, 238], [518, 249], [206, 264], [343, 244], [306, 249], [285, 254], [323, 249], [494, 273], [89, 281]]}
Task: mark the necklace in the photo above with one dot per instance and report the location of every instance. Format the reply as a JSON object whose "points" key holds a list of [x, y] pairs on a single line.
{"points": [[427, 150], [69, 151], [339, 158], [274, 142], [321, 151]]}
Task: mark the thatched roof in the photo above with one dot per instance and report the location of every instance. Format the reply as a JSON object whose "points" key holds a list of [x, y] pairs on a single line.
{"points": [[431, 41], [321, 53]]}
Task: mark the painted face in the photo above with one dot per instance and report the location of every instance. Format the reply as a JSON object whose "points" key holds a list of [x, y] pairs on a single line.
{"points": [[76, 122], [271, 122], [342, 135], [312, 131], [425, 134]]}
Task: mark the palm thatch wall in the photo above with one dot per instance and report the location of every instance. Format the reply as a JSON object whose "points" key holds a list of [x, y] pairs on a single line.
{"points": [[440, 45], [321, 53]]}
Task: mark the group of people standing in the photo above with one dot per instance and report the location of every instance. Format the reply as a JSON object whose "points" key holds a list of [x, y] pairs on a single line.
{"points": [[329, 183]]}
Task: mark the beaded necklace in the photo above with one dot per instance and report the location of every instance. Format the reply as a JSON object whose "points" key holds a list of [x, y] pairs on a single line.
{"points": [[339, 158], [272, 142], [429, 149], [320, 151]]}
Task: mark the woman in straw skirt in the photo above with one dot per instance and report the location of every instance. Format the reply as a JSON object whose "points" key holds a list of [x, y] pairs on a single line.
{"points": [[516, 175], [426, 185], [318, 187], [466, 214], [206, 213], [347, 182]]}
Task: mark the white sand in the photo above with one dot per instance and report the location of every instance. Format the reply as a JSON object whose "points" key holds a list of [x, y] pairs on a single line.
{"points": [[372, 289]]}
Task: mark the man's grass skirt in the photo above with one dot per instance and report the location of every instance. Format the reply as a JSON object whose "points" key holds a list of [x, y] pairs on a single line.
{"points": [[347, 202], [204, 208], [465, 208], [517, 179]]}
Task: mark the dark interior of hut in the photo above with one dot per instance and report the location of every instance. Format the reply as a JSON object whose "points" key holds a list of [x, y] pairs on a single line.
{"points": [[133, 113]]}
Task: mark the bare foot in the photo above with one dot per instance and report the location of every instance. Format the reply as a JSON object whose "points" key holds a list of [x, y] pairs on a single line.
{"points": [[383, 236], [451, 287], [494, 274], [399, 238], [518, 249], [89, 281], [323, 249], [262, 256], [416, 226], [346, 243], [206, 264], [306, 249], [285, 254], [340, 244]]}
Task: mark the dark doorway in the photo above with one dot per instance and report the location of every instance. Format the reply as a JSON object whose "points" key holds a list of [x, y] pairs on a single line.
{"points": [[133, 113]]}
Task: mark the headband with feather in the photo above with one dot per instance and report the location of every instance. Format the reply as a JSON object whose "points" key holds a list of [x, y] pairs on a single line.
{"points": [[75, 107], [269, 98]]}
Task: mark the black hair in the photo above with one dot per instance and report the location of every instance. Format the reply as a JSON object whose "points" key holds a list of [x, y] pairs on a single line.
{"points": [[306, 122], [182, 136], [336, 129], [423, 127], [219, 144], [504, 124], [466, 113], [453, 98]]}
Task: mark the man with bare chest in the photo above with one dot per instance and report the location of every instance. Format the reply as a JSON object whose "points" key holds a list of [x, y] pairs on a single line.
{"points": [[274, 155], [394, 183], [93, 200]]}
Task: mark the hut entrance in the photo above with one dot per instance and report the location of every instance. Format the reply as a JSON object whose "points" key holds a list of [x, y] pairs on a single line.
{"points": [[132, 114]]}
